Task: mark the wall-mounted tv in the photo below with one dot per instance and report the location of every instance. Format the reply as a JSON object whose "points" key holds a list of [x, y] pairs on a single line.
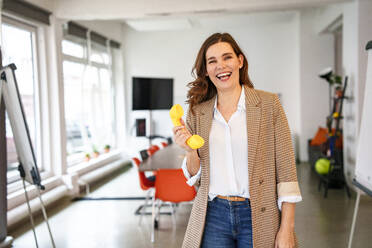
{"points": [[152, 93]]}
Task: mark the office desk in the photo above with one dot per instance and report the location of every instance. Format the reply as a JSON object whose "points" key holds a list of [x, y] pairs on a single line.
{"points": [[170, 157]]}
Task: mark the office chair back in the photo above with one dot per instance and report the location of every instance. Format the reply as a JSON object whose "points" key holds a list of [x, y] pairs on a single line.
{"points": [[171, 186], [145, 184], [151, 151]]}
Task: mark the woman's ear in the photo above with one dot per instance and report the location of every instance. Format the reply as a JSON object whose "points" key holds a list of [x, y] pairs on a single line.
{"points": [[241, 61]]}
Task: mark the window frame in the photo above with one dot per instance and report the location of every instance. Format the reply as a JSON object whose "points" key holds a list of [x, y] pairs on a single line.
{"points": [[14, 182], [85, 61]]}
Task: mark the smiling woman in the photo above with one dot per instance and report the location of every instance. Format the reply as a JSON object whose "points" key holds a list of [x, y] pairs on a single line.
{"points": [[246, 169]]}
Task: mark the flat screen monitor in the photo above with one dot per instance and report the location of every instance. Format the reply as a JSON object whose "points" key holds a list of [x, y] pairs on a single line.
{"points": [[152, 93]]}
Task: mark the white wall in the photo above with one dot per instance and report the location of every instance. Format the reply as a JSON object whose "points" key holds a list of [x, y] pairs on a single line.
{"points": [[316, 53], [271, 49]]}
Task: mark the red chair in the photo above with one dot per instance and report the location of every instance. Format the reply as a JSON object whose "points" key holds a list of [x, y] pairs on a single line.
{"points": [[152, 150], [155, 147], [164, 144], [145, 184], [170, 187]]}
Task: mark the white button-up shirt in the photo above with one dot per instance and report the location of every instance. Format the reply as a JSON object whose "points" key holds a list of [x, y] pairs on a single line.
{"points": [[228, 153]]}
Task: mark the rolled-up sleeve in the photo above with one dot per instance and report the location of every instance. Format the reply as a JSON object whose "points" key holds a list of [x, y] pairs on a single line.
{"points": [[191, 180], [291, 199], [288, 189]]}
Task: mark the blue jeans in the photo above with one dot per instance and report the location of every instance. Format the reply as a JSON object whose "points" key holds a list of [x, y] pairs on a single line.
{"points": [[228, 224]]}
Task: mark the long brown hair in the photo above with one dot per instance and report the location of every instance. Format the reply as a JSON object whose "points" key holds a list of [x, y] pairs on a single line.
{"points": [[202, 89]]}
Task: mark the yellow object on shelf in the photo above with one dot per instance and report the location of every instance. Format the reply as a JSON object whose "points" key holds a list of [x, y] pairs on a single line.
{"points": [[322, 166], [176, 113]]}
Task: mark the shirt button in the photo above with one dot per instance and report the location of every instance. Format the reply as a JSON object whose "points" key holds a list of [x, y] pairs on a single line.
{"points": [[261, 181], [263, 209]]}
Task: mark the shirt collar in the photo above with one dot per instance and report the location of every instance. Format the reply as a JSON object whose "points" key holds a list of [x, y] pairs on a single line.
{"points": [[241, 102]]}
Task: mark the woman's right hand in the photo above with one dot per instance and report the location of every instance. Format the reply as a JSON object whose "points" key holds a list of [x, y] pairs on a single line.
{"points": [[181, 135]]}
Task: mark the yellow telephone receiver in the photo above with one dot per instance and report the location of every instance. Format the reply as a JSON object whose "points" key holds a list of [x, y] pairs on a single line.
{"points": [[176, 113]]}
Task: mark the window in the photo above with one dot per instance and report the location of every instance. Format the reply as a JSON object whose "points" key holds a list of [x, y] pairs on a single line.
{"points": [[18, 40], [72, 49], [89, 105]]}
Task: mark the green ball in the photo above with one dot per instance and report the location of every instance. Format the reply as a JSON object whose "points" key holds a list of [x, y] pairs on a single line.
{"points": [[322, 166]]}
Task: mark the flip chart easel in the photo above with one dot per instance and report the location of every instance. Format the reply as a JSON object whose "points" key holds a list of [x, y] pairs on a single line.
{"points": [[27, 161]]}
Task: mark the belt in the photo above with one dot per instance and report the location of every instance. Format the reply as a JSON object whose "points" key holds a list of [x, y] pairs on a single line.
{"points": [[232, 198]]}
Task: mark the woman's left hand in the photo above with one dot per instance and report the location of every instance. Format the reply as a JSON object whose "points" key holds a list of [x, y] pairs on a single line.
{"points": [[284, 239]]}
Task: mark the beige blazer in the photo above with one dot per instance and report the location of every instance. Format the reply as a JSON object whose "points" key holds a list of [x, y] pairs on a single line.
{"points": [[271, 163]]}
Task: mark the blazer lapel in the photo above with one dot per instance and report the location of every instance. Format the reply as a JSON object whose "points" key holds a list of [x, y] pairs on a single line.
{"points": [[253, 115], [206, 117]]}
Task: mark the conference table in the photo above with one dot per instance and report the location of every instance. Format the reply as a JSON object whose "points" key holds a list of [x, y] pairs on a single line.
{"points": [[170, 157]]}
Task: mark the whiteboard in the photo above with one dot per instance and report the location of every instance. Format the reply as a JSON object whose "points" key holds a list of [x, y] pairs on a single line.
{"points": [[363, 168]]}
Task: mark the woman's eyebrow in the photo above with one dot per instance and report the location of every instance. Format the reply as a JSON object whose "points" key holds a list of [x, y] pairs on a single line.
{"points": [[226, 54]]}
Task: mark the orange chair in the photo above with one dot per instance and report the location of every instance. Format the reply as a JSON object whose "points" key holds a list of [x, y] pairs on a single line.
{"points": [[170, 187], [145, 184], [151, 151], [155, 147]]}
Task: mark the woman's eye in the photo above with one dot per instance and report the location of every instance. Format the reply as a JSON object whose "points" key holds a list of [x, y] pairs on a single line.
{"points": [[211, 61], [228, 57]]}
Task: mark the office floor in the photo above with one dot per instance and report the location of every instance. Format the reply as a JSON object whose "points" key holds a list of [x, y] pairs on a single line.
{"points": [[320, 222]]}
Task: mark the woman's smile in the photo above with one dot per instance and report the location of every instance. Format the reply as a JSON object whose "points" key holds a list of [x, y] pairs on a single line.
{"points": [[224, 76]]}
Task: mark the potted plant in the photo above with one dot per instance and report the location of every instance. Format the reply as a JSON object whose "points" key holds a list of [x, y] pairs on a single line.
{"points": [[95, 152], [107, 148], [87, 157]]}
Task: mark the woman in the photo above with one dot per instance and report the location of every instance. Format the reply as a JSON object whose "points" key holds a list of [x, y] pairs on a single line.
{"points": [[246, 169]]}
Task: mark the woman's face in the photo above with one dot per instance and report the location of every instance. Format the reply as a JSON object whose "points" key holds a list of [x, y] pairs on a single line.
{"points": [[223, 66]]}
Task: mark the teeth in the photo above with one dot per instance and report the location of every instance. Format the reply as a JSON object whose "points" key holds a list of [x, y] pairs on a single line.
{"points": [[224, 74]]}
